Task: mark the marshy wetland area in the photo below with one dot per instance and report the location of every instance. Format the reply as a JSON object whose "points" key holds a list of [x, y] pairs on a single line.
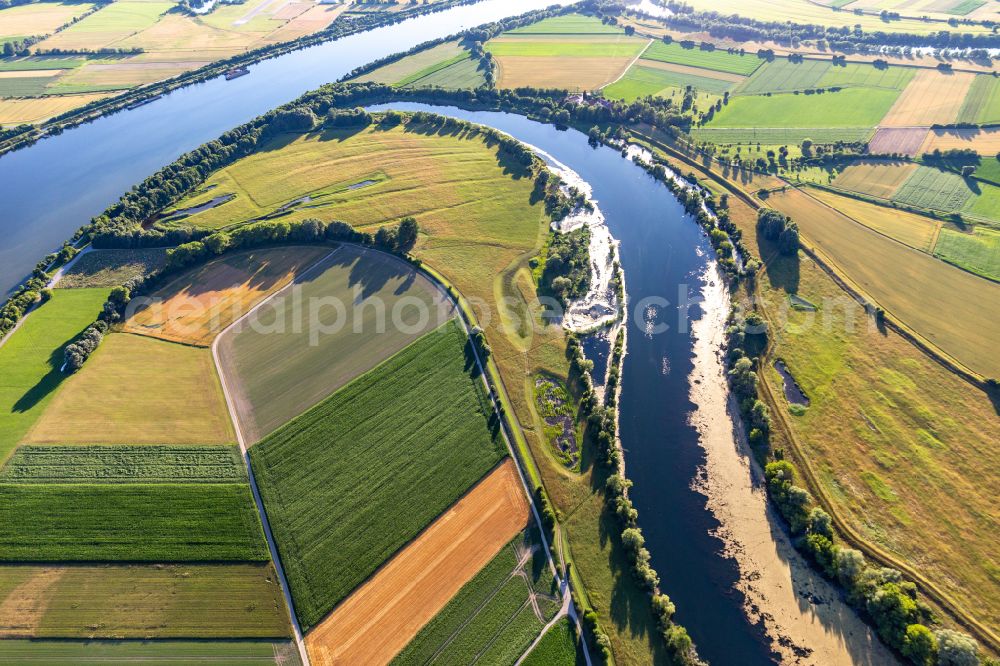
{"points": [[487, 332]]}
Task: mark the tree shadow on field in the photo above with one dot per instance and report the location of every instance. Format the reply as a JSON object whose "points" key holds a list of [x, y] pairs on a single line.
{"points": [[340, 134], [368, 274], [510, 165], [49, 382]]}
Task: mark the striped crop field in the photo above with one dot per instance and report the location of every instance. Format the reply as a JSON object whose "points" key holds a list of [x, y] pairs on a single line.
{"points": [[352, 480], [717, 59], [124, 464], [934, 189]]}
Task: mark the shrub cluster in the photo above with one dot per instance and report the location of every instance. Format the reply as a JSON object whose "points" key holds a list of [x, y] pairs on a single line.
{"points": [[778, 227], [566, 274], [79, 351]]}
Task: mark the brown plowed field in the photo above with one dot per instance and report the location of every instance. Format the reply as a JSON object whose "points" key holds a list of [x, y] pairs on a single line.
{"points": [[904, 140], [201, 303], [984, 141], [932, 97], [379, 618]]}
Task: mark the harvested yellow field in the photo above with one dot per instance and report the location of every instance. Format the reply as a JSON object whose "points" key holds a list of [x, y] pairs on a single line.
{"points": [[953, 309], [581, 73], [379, 618], [39, 109], [38, 18], [931, 97], [198, 305], [138, 390], [913, 230], [983, 141], [688, 69], [879, 179]]}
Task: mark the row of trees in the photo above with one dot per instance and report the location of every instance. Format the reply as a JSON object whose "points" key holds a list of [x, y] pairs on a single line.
{"points": [[602, 434], [892, 603], [842, 38], [32, 290]]}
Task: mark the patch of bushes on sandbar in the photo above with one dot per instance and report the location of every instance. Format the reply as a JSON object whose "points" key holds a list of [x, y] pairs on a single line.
{"points": [[881, 594]]}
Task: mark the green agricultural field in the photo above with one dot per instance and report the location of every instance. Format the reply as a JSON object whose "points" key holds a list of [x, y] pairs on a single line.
{"points": [[30, 359], [461, 73], [851, 107], [277, 370], [139, 601], [148, 523], [27, 86], [569, 24], [963, 7], [110, 268], [559, 647], [982, 103], [977, 251], [351, 481], [641, 81], [989, 169], [149, 653], [866, 76], [490, 617], [124, 464], [778, 136], [116, 21], [420, 63], [138, 390], [783, 75], [33, 63], [932, 188], [718, 60], [985, 202], [571, 47], [947, 306]]}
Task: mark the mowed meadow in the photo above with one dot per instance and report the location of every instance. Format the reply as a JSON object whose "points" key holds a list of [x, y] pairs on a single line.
{"points": [[354, 479], [904, 447]]}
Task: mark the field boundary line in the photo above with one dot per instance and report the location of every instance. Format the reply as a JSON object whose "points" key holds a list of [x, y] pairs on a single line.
{"points": [[234, 417], [629, 66]]}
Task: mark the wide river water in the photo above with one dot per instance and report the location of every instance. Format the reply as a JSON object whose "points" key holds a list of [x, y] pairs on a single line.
{"points": [[50, 189]]}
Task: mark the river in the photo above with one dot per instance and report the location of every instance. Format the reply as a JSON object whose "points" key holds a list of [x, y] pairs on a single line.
{"points": [[51, 189], [722, 555]]}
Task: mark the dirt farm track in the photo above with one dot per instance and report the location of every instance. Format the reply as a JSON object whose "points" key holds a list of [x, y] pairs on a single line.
{"points": [[379, 618]]}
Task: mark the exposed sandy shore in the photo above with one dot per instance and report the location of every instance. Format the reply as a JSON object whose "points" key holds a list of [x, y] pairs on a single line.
{"points": [[804, 615]]}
